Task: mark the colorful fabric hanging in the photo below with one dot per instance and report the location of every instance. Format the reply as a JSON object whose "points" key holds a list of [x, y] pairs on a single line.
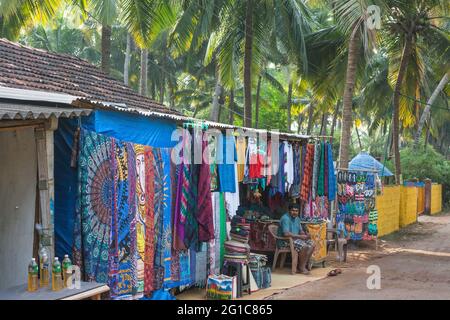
{"points": [[163, 230], [307, 173], [149, 255], [316, 164], [321, 173], [295, 190], [122, 263], [326, 168], [204, 213], [241, 148], [226, 156], [94, 206], [288, 165], [331, 175], [223, 226]]}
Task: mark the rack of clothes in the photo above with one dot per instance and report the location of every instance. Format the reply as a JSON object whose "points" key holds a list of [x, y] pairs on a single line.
{"points": [[146, 224]]}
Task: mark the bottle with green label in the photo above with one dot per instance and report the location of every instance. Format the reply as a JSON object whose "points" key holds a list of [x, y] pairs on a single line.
{"points": [[44, 267], [67, 271], [57, 283], [33, 271]]}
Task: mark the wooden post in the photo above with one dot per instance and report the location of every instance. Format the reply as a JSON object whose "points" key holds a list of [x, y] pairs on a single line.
{"points": [[45, 162], [427, 196]]}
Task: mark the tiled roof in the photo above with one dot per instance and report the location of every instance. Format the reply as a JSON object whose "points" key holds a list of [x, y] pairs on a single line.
{"points": [[33, 69]]}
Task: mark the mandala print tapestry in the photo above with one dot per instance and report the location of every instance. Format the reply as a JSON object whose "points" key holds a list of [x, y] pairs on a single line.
{"points": [[93, 206]]}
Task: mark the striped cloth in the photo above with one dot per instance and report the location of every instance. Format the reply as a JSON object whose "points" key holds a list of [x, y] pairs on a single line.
{"points": [[307, 171]]}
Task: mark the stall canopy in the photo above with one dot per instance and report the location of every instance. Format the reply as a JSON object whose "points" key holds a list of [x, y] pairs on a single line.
{"points": [[364, 161]]}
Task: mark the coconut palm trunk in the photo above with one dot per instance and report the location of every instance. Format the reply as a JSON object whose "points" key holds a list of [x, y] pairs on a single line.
{"points": [[347, 119], [106, 48], [289, 106], [126, 66], [396, 105], [310, 118], [335, 116], [426, 112], [214, 116], [248, 56], [258, 101], [144, 73], [231, 106]]}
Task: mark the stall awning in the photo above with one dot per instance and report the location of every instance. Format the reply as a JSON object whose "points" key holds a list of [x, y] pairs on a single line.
{"points": [[23, 111]]}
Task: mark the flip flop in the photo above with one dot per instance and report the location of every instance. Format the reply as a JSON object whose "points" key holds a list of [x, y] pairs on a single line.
{"points": [[332, 273]]}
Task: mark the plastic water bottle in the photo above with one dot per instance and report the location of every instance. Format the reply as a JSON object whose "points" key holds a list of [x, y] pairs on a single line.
{"points": [[33, 281], [44, 267], [57, 282], [67, 271]]}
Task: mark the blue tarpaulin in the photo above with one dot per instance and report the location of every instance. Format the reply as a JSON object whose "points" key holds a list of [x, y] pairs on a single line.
{"points": [[120, 125], [364, 161]]}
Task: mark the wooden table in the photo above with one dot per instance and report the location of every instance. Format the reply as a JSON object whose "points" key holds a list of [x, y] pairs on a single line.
{"points": [[88, 290]]}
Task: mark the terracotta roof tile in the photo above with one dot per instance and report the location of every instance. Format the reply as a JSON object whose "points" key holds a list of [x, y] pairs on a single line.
{"points": [[33, 69]]}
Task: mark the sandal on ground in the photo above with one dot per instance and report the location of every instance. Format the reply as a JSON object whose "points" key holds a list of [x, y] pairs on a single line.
{"points": [[334, 272]]}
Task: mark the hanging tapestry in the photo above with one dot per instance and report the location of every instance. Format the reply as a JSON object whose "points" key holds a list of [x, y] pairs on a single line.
{"points": [[123, 249], [93, 206], [149, 254], [144, 217], [162, 213]]}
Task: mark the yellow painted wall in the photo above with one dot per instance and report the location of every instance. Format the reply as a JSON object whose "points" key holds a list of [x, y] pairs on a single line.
{"points": [[408, 206], [388, 206], [436, 198]]}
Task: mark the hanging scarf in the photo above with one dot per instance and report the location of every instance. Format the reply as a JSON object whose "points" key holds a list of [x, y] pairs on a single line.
{"points": [[321, 174], [331, 175], [295, 191], [307, 173], [316, 164], [326, 168], [204, 214]]}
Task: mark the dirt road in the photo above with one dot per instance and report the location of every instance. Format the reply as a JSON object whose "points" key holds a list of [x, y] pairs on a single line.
{"points": [[414, 264]]}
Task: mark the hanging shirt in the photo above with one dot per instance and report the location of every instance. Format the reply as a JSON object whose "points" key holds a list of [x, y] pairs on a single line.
{"points": [[289, 165], [226, 159]]}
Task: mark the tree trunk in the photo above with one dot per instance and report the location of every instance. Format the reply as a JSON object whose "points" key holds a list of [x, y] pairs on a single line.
{"points": [[359, 138], [214, 116], [310, 118], [144, 73], [289, 106], [248, 64], [162, 90], [300, 122], [126, 66], [335, 116], [258, 96], [231, 107], [426, 111], [323, 125], [106, 48], [347, 119], [396, 104], [427, 137]]}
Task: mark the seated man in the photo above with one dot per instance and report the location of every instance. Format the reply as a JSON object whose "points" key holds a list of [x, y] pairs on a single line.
{"points": [[291, 227]]}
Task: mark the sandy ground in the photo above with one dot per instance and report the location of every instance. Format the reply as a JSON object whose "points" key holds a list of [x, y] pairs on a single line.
{"points": [[414, 264]]}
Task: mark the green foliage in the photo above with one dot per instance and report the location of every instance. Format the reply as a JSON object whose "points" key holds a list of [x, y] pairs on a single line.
{"points": [[424, 164]]}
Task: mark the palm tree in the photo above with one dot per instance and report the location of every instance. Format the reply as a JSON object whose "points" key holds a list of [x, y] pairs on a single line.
{"points": [[412, 24], [351, 17]]}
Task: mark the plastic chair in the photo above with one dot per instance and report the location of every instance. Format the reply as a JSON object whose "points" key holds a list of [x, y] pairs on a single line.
{"points": [[273, 229]]}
